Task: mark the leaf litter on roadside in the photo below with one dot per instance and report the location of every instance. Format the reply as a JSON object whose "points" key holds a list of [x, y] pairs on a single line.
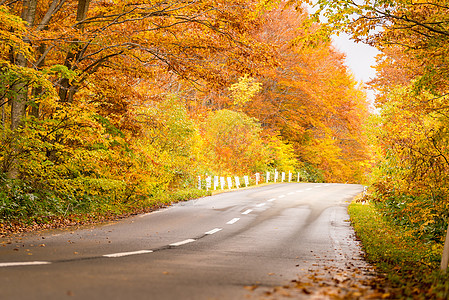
{"points": [[332, 281]]}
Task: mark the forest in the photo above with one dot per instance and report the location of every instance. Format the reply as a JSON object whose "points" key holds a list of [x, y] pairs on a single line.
{"points": [[408, 133], [115, 107]]}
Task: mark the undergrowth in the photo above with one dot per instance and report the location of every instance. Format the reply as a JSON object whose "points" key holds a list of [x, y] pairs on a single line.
{"points": [[411, 264], [25, 208]]}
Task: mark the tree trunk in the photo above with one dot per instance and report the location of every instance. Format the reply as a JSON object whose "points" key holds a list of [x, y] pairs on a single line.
{"points": [[445, 256], [83, 6], [66, 90], [18, 107], [19, 102], [37, 91], [4, 119]]}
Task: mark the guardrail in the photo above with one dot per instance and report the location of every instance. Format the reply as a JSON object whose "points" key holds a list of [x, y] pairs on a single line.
{"points": [[229, 182]]}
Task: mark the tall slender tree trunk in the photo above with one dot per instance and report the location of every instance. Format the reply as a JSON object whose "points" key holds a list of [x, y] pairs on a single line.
{"points": [[19, 102], [66, 90], [445, 256], [37, 91]]}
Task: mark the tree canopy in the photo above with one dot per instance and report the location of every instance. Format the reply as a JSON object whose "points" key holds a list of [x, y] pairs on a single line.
{"points": [[108, 105]]}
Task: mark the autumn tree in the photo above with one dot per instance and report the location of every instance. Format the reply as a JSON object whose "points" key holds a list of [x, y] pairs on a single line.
{"points": [[95, 80], [234, 143], [311, 100], [136, 41], [412, 82]]}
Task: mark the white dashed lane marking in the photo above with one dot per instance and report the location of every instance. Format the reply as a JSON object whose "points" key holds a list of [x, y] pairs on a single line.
{"points": [[187, 241], [215, 230], [182, 242], [233, 221], [25, 263], [121, 254]]}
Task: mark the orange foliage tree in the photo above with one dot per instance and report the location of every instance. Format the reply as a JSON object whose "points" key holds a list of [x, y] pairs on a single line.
{"points": [[312, 100], [410, 131]]}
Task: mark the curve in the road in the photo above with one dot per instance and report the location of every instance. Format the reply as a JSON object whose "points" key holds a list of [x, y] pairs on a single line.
{"points": [[175, 244]]}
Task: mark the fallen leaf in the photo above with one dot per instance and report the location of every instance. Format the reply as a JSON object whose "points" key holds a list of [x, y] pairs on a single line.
{"points": [[251, 287]]}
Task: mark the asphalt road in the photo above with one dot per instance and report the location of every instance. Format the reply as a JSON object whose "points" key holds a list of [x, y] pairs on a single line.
{"points": [[210, 248]]}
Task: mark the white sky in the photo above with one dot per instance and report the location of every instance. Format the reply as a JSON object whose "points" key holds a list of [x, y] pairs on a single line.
{"points": [[359, 58]]}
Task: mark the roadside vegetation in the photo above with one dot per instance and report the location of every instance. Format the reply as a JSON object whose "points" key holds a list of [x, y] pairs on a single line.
{"points": [[110, 108], [410, 263], [404, 227]]}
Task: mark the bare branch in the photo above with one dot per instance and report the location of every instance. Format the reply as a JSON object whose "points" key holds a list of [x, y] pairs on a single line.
{"points": [[55, 6]]}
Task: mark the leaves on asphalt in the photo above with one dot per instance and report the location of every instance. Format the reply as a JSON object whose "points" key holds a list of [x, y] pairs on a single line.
{"points": [[331, 281]]}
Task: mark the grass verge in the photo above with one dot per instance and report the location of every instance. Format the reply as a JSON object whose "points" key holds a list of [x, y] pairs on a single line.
{"points": [[410, 264]]}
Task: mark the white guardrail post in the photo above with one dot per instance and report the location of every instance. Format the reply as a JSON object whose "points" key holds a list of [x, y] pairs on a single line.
{"points": [[208, 182], [228, 182], [222, 182], [237, 182], [215, 182]]}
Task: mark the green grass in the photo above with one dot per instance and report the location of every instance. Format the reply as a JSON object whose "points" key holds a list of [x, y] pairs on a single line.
{"points": [[410, 264]]}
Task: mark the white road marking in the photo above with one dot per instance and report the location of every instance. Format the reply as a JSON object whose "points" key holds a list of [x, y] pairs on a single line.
{"points": [[300, 191], [247, 211], [121, 254], [281, 196], [233, 221], [291, 193], [260, 204], [215, 230], [271, 200], [182, 242], [150, 213], [25, 263], [308, 189], [318, 186]]}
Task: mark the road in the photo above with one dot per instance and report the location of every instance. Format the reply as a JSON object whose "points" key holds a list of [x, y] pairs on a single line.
{"points": [[210, 248]]}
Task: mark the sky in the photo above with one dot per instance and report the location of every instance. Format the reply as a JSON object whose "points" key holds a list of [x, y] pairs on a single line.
{"points": [[359, 58]]}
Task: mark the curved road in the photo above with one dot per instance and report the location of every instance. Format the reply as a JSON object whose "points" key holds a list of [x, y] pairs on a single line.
{"points": [[209, 248]]}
